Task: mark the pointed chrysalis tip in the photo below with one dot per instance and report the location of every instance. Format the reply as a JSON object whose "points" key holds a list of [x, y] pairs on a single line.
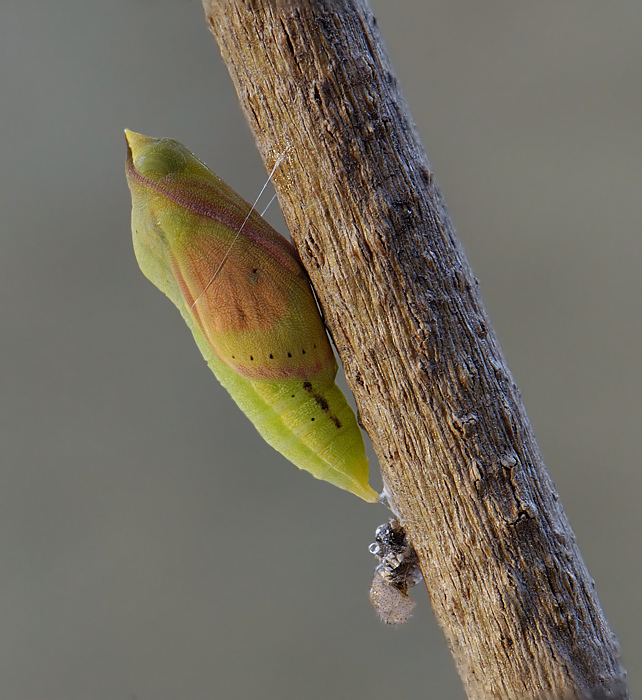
{"points": [[135, 141], [368, 494]]}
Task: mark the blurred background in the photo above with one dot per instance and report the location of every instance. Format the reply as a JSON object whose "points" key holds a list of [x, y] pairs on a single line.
{"points": [[152, 547]]}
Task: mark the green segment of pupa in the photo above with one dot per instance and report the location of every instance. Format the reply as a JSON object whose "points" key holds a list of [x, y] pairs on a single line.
{"points": [[242, 291]]}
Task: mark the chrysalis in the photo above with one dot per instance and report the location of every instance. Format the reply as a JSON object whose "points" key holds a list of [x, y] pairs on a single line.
{"points": [[244, 294], [397, 571]]}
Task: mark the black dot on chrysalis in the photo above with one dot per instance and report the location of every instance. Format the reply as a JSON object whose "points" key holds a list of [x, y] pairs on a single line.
{"points": [[303, 352], [289, 354], [271, 357], [253, 277], [311, 418], [251, 358]]}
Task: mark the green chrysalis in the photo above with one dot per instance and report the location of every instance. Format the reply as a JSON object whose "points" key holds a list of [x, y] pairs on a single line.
{"points": [[244, 294]]}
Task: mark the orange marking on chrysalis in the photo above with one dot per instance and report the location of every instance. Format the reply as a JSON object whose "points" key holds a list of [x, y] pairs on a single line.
{"points": [[230, 304]]}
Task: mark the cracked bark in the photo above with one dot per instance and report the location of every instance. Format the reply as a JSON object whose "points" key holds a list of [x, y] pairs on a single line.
{"points": [[458, 456]]}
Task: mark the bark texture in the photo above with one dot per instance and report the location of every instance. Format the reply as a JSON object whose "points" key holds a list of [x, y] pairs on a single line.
{"points": [[458, 455]]}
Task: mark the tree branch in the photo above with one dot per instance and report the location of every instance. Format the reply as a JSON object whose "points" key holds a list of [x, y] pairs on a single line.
{"points": [[458, 455]]}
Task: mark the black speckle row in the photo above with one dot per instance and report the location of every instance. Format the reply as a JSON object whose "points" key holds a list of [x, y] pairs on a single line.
{"points": [[271, 356]]}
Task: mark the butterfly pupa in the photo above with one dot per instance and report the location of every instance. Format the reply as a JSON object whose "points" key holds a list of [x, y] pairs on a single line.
{"points": [[245, 296]]}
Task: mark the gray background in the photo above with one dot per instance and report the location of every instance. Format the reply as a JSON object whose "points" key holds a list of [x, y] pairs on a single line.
{"points": [[151, 546]]}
